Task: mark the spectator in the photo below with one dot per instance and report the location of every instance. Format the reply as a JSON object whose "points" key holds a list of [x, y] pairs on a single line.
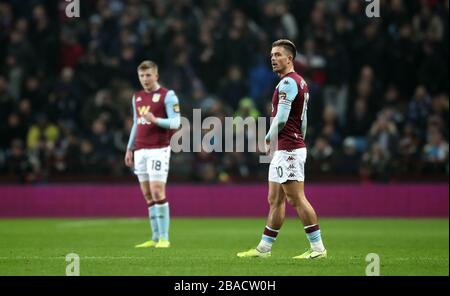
{"points": [[419, 107], [89, 163], [331, 129], [261, 81], [19, 164], [322, 156], [15, 128], [359, 121], [384, 133], [435, 152], [246, 109], [367, 81], [233, 88], [408, 150], [349, 161], [102, 140], [375, 164], [6, 100], [44, 131]]}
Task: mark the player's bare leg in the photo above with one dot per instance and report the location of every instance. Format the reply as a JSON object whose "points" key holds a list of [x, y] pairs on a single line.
{"points": [[158, 192], [277, 200], [275, 219], [146, 192], [296, 197]]}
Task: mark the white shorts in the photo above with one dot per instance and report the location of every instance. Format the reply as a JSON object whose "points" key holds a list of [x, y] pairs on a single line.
{"points": [[152, 164], [288, 165]]}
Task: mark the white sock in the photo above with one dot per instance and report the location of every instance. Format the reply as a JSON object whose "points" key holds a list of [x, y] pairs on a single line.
{"points": [[318, 246], [264, 246], [314, 237]]}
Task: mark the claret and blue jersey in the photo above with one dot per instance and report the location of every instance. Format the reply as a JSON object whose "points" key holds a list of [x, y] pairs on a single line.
{"points": [[164, 104], [289, 107]]}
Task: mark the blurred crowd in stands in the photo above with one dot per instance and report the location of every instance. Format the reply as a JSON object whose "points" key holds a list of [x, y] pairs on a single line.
{"points": [[379, 87]]}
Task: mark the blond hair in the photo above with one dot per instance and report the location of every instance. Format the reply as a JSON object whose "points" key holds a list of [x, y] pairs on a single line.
{"points": [[145, 65]]}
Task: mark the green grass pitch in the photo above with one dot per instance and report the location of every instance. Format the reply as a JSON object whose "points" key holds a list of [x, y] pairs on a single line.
{"points": [[209, 247]]}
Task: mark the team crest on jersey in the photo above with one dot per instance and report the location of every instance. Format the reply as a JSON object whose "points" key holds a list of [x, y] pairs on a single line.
{"points": [[138, 99], [156, 98]]}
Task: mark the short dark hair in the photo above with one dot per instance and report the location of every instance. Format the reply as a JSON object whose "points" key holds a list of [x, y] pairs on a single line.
{"points": [[287, 44]]}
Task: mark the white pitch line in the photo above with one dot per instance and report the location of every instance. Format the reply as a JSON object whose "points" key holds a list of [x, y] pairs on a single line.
{"points": [[144, 258], [81, 258], [86, 223]]}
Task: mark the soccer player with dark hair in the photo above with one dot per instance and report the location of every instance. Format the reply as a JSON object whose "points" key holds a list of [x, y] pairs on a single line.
{"points": [[155, 112], [286, 170]]}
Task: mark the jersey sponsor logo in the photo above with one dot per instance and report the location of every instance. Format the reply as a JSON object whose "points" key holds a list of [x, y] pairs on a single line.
{"points": [[286, 82], [141, 120], [156, 98], [291, 167], [291, 175], [176, 108], [143, 110], [290, 158]]}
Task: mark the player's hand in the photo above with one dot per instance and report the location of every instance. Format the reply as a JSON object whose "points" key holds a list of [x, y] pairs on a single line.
{"points": [[129, 158], [150, 117]]}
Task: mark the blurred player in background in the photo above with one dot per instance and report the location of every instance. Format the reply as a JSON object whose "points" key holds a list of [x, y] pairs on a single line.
{"points": [[286, 170], [155, 111]]}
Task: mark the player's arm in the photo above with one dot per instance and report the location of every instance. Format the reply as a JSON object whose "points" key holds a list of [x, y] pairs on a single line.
{"points": [[173, 119], [129, 153], [304, 124], [134, 127], [287, 91]]}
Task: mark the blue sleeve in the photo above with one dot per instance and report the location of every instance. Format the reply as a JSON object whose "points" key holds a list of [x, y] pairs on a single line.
{"points": [[133, 129], [287, 91], [173, 120]]}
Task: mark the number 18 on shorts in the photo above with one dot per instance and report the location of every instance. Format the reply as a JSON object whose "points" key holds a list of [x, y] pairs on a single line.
{"points": [[152, 164]]}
